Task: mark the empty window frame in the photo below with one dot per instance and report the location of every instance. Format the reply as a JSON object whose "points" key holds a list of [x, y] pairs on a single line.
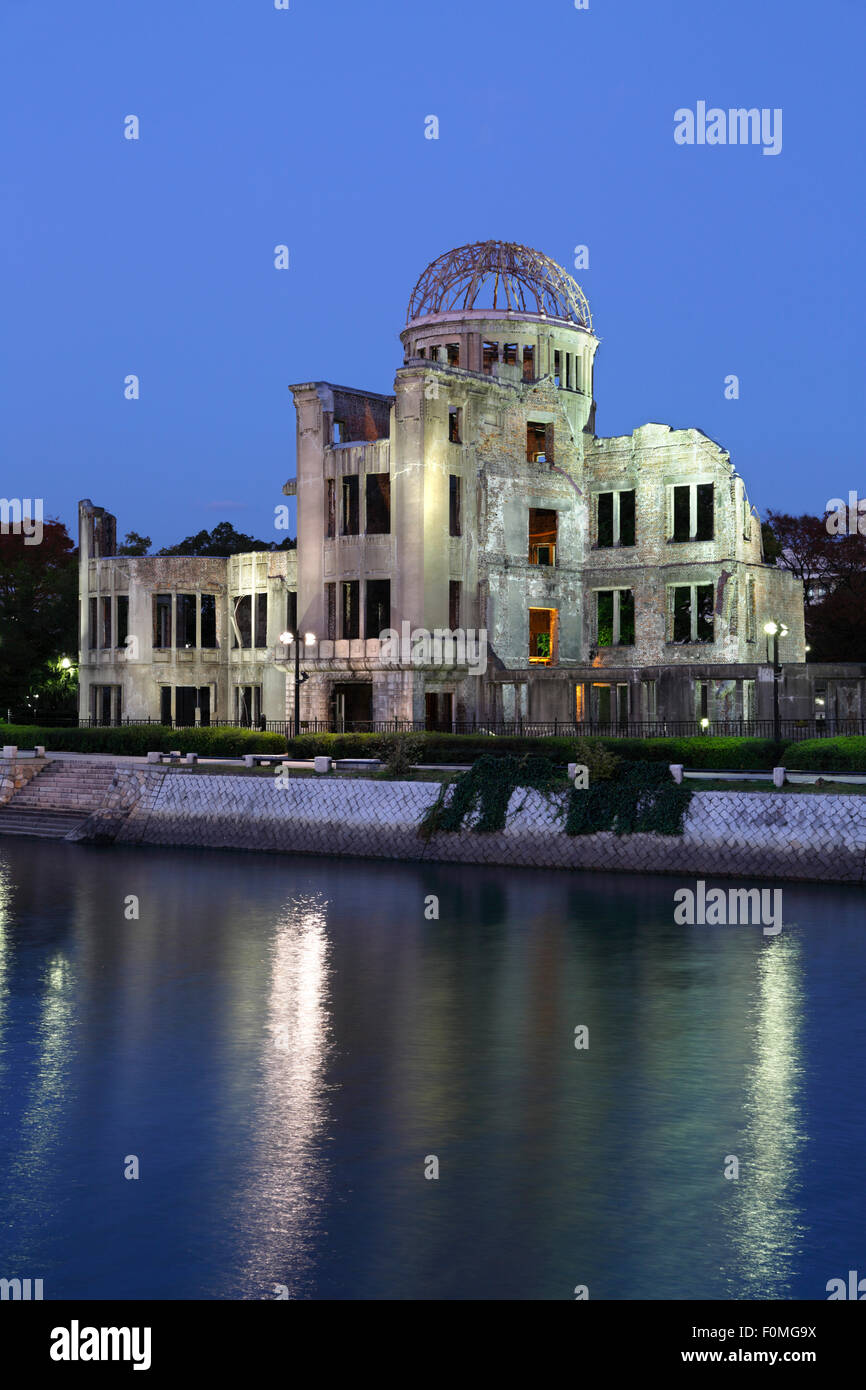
{"points": [[536, 441], [292, 611], [453, 352], [692, 613], [377, 616], [106, 622], [510, 354], [453, 604], [338, 432], [122, 620], [610, 703], [243, 621], [529, 364], [330, 612], [186, 620], [248, 705], [542, 636], [615, 519], [692, 512], [615, 617], [751, 611], [542, 536], [455, 424], [349, 513], [557, 368], [208, 620], [261, 632], [377, 487], [350, 598], [489, 355], [455, 520], [161, 621], [92, 624], [165, 715], [330, 508]]}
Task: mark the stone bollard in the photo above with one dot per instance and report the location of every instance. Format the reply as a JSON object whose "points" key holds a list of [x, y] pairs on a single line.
{"points": [[778, 777], [154, 757], [572, 771], [191, 758], [677, 772], [39, 750], [10, 750], [321, 764], [249, 760]]}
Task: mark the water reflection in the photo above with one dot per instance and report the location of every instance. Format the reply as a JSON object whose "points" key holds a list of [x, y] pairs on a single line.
{"points": [[287, 1185], [765, 1219]]}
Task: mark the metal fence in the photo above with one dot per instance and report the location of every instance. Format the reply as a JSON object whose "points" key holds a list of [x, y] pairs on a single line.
{"points": [[791, 730]]}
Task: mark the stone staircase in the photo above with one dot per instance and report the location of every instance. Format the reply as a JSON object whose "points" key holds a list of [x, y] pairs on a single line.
{"points": [[58, 799]]}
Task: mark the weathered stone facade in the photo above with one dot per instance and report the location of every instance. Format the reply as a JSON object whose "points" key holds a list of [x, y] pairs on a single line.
{"points": [[612, 581]]}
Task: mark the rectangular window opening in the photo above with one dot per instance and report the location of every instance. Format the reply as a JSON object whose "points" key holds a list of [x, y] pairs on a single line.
{"points": [[455, 424], [454, 505], [122, 620], [349, 522], [453, 351], [161, 621], [350, 592], [378, 499], [186, 620], [542, 536], [453, 604], [378, 607], [261, 634], [330, 508], [542, 636], [208, 620]]}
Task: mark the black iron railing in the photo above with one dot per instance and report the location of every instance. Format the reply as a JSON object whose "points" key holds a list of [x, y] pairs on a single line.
{"points": [[791, 729]]}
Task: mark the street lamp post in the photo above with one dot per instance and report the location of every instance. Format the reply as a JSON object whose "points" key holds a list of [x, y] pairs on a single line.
{"points": [[774, 631], [289, 639]]}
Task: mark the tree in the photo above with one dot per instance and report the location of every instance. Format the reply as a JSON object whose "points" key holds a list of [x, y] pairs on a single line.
{"points": [[833, 570], [223, 540], [134, 544], [38, 619]]}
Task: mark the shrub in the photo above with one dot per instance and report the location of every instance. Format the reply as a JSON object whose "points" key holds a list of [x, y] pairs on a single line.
{"points": [[401, 752], [601, 762], [843, 754], [138, 739], [701, 752]]}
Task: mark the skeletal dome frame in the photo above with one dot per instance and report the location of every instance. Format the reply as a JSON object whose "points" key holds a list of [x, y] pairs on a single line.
{"points": [[522, 281]]}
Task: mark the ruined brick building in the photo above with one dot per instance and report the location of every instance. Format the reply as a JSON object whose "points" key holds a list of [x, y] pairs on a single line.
{"points": [[598, 580]]}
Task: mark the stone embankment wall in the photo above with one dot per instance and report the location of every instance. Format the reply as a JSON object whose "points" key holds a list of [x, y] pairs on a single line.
{"points": [[726, 833], [15, 774]]}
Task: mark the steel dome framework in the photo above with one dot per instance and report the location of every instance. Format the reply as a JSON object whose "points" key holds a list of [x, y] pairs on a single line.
{"points": [[520, 280]]}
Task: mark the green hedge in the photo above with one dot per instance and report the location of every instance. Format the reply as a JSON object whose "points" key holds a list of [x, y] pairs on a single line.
{"points": [[826, 754], [701, 752], [138, 739]]}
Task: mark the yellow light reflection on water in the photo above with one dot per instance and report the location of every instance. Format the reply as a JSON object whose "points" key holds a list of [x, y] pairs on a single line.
{"points": [[287, 1184], [766, 1225]]}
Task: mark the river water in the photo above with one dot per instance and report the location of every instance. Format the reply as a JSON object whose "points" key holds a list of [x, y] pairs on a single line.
{"points": [[285, 1047]]}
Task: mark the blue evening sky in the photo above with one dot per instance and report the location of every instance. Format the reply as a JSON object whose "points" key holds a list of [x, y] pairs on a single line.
{"points": [[306, 127]]}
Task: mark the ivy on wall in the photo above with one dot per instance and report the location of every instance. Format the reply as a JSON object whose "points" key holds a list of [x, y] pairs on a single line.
{"points": [[641, 797]]}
